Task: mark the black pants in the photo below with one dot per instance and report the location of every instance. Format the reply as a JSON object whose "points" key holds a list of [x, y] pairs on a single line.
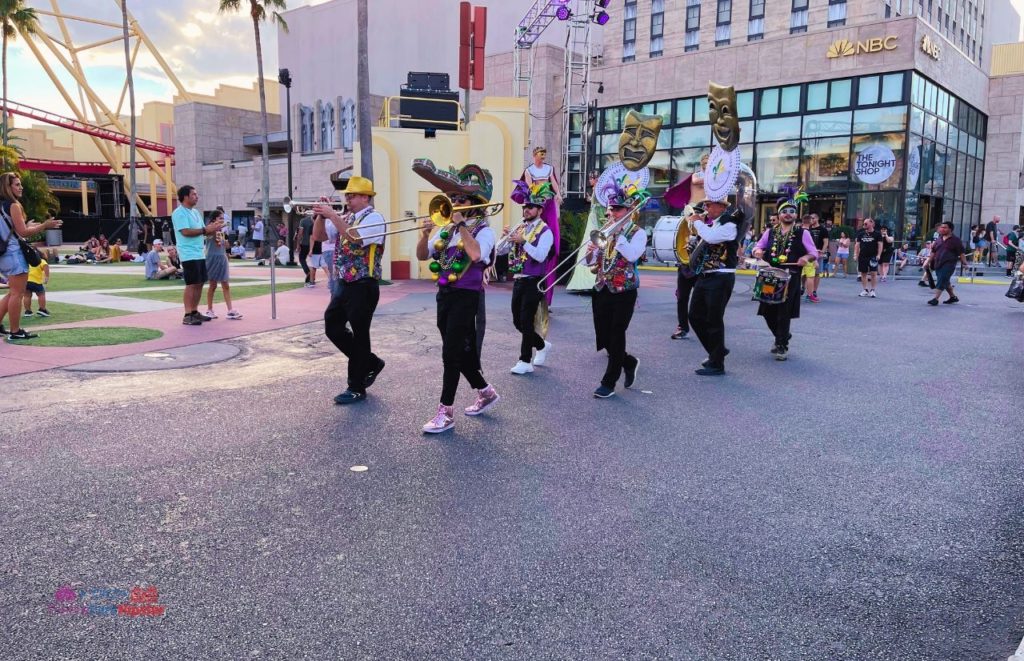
{"points": [[303, 254], [456, 319], [526, 299], [353, 304], [684, 285], [612, 314], [778, 317], [711, 294]]}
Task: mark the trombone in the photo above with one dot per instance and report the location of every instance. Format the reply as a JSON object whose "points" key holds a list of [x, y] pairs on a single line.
{"points": [[599, 237], [440, 212]]}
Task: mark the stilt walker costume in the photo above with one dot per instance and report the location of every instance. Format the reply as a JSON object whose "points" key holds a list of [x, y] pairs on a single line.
{"points": [[788, 247], [614, 262], [529, 248], [460, 253]]}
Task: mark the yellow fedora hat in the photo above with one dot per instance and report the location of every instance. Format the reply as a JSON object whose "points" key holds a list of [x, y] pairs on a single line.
{"points": [[359, 186]]}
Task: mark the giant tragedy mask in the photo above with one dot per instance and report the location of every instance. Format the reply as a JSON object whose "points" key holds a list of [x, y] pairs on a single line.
{"points": [[639, 139], [725, 124]]}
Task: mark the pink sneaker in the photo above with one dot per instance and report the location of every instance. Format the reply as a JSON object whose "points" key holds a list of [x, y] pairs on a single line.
{"points": [[485, 399], [443, 421]]}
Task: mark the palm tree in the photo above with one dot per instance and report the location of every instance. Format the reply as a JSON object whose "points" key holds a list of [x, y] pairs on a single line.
{"points": [[130, 82], [14, 16], [258, 12], [363, 93]]}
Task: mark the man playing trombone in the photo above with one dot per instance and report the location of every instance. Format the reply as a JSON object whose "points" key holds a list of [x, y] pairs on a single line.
{"points": [[612, 254], [358, 256], [529, 248]]}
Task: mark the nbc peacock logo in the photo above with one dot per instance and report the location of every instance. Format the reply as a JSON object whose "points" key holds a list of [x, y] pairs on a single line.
{"points": [[841, 48]]}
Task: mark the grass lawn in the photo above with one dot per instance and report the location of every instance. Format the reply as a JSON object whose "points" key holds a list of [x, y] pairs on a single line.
{"points": [[91, 337], [236, 293], [63, 313], [70, 281]]}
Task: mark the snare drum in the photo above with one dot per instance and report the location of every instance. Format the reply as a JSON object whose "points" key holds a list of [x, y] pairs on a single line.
{"points": [[668, 242], [771, 285]]}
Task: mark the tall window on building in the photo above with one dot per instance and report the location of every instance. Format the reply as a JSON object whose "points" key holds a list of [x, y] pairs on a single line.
{"points": [[657, 27], [629, 31], [798, 17], [327, 127], [755, 26], [306, 128], [836, 13], [692, 25], [723, 23]]}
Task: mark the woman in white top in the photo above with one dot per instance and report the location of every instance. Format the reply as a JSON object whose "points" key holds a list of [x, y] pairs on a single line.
{"points": [[537, 173]]}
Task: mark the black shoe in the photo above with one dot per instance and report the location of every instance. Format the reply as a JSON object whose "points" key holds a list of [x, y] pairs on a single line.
{"points": [[198, 317], [372, 375], [3, 330], [951, 300], [781, 353], [349, 397], [603, 392], [680, 334], [708, 363], [22, 334], [922, 283], [933, 301], [775, 349], [190, 320], [631, 374], [710, 370], [42, 312]]}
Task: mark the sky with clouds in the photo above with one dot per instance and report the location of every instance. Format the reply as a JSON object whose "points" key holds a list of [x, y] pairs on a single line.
{"points": [[203, 47]]}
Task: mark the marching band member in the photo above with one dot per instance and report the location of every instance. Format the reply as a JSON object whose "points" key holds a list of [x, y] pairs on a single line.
{"points": [[716, 276], [615, 291], [789, 247], [460, 252], [529, 248], [358, 253], [685, 277]]}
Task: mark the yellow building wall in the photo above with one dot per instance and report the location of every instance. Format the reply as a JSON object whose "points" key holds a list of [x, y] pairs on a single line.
{"points": [[495, 139]]}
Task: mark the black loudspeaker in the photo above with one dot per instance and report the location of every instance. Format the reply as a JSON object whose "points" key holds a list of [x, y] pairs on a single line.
{"points": [[429, 110], [427, 80]]}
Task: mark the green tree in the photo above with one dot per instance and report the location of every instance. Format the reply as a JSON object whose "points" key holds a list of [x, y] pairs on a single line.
{"points": [[258, 11], [14, 16]]}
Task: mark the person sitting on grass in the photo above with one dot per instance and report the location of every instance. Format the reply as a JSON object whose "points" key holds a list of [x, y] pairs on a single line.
{"points": [[38, 277], [116, 251], [158, 265], [102, 256], [237, 251], [174, 260], [281, 253]]}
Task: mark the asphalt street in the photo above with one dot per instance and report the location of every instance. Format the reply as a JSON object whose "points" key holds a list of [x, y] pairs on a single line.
{"points": [[859, 501]]}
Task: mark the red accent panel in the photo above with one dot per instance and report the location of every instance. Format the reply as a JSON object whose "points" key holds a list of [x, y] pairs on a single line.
{"points": [[479, 39], [465, 40], [400, 270]]}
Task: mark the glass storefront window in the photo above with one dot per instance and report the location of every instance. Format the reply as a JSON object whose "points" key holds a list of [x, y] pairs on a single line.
{"points": [[950, 182], [664, 108], [746, 132], [943, 104], [917, 90], [661, 174], [686, 161], [930, 96], [929, 126], [892, 88], [700, 109], [839, 93], [826, 124], [960, 172], [867, 91], [665, 140], [927, 167], [778, 129], [878, 120], [953, 137], [790, 100], [915, 161], [770, 102], [882, 206], [745, 104], [877, 161], [612, 120], [777, 164], [939, 171], [940, 132], [609, 143], [691, 136], [825, 164], [817, 96], [684, 111], [981, 149], [916, 120]]}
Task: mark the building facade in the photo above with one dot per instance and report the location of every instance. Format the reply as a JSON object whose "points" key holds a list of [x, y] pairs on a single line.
{"points": [[874, 107]]}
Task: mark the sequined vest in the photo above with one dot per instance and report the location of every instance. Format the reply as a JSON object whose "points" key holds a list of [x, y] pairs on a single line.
{"points": [[527, 265], [622, 275], [354, 260], [473, 277]]}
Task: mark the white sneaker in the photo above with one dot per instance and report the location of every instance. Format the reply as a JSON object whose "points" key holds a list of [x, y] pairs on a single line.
{"points": [[864, 294], [442, 422], [522, 368], [542, 354], [208, 315], [872, 294], [232, 314]]}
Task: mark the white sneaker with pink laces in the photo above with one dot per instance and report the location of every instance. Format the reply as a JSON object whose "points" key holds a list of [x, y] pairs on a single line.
{"points": [[443, 421], [485, 399]]}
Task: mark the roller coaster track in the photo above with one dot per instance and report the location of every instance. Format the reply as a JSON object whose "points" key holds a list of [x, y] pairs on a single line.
{"points": [[78, 167], [84, 127]]}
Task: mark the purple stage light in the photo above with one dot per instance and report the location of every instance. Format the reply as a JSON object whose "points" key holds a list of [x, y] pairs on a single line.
{"points": [[563, 13], [601, 17]]}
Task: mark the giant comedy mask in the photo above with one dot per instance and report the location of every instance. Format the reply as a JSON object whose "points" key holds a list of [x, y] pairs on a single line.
{"points": [[722, 112], [639, 139]]}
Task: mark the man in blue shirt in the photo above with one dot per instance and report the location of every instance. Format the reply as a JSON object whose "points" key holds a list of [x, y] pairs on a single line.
{"points": [[189, 231]]}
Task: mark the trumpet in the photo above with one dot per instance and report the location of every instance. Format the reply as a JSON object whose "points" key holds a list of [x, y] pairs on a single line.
{"points": [[305, 207], [506, 239], [440, 211], [599, 237]]}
